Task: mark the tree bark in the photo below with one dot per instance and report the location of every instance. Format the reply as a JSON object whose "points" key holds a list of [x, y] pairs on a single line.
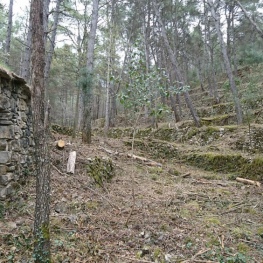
{"points": [[40, 129], [87, 88], [9, 32], [227, 65]]}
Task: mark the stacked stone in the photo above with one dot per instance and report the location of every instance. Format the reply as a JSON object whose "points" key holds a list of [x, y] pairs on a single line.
{"points": [[15, 131]]}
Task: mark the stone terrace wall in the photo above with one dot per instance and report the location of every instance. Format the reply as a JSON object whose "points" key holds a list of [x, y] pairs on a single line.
{"points": [[15, 131]]}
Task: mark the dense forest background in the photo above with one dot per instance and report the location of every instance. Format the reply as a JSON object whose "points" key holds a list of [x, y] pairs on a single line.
{"points": [[148, 56], [172, 194]]}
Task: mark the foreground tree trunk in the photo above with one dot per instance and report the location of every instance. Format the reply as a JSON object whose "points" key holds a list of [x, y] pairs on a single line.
{"points": [[9, 31], [227, 64], [88, 76], [40, 127]]}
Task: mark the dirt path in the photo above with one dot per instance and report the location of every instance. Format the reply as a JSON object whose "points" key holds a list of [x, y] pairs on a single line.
{"points": [[145, 214]]}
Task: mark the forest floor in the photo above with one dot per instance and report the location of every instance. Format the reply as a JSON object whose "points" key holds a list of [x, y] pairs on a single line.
{"points": [[143, 214]]}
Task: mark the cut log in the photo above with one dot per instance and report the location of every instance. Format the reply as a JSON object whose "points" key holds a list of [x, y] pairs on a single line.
{"points": [[71, 162], [247, 181], [60, 144]]}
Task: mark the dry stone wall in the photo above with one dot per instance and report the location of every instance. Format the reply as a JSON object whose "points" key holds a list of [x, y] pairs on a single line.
{"points": [[16, 139]]}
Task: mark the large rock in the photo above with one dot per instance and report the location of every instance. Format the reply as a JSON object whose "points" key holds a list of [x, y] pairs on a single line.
{"points": [[5, 122], [7, 132], [6, 179], [7, 115], [3, 169], [4, 102], [5, 157], [4, 192], [21, 104], [3, 145]]}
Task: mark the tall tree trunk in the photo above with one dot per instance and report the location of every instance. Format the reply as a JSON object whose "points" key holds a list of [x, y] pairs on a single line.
{"points": [[175, 66], [209, 52], [81, 54], [25, 67], [232, 83], [45, 16], [75, 122], [112, 88], [40, 129], [87, 87], [146, 35], [9, 32], [52, 41], [108, 84]]}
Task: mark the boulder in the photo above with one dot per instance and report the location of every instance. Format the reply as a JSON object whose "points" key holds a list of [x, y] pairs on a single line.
{"points": [[5, 157]]}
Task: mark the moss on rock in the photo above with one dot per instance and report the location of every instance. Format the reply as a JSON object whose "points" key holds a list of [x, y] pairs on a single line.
{"points": [[216, 162], [101, 170], [253, 170], [224, 119]]}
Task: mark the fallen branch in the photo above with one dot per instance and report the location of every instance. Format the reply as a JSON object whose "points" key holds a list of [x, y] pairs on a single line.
{"points": [[247, 181], [233, 209], [104, 198], [58, 170], [133, 156], [192, 259], [185, 175], [145, 160], [108, 151], [135, 259]]}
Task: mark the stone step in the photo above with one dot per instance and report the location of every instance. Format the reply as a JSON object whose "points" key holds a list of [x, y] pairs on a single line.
{"points": [[224, 119], [218, 161], [222, 108]]}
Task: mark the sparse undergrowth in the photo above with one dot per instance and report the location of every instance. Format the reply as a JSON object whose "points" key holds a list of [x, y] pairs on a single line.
{"points": [[202, 217]]}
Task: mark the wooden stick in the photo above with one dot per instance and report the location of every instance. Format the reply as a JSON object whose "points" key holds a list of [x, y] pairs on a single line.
{"points": [[147, 161], [133, 156], [196, 255], [58, 170], [185, 175], [247, 181], [135, 259]]}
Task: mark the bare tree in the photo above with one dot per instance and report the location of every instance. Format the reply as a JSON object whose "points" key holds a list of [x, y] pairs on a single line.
{"points": [[52, 39], [40, 127], [9, 31], [25, 66], [258, 29], [88, 75], [227, 64], [175, 65]]}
